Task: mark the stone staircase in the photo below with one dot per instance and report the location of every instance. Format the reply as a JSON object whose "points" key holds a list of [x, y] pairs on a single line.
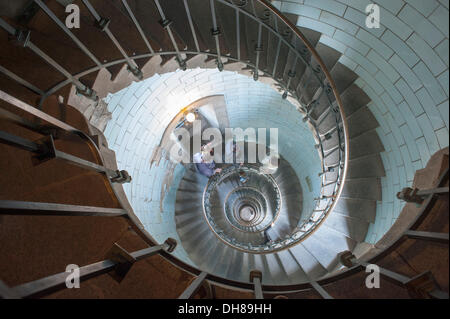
{"points": [[343, 229]]}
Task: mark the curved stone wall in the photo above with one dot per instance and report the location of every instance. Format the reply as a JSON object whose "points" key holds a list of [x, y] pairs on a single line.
{"points": [[403, 68]]}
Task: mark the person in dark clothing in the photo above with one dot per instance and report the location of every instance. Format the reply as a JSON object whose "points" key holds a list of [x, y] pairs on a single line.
{"points": [[207, 169], [205, 164], [267, 235]]}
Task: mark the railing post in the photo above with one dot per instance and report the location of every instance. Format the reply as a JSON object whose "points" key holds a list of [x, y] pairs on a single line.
{"points": [[431, 236], [256, 279], [192, 289], [45, 150], [120, 262], [103, 25], [258, 50], [191, 24], [215, 32], [417, 196], [322, 292], [421, 286], [22, 38], [166, 24], [138, 27], [21, 81], [169, 245], [349, 260], [424, 286], [68, 32], [125, 260]]}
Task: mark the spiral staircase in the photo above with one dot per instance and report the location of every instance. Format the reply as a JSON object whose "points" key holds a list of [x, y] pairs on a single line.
{"points": [[221, 222]]}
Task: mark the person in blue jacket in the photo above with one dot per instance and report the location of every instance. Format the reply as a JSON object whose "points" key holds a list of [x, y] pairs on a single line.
{"points": [[205, 163]]}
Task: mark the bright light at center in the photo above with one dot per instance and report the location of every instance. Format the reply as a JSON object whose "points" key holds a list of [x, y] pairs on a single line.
{"points": [[190, 117]]}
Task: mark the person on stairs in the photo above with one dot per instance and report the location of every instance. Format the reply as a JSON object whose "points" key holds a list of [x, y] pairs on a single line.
{"points": [[204, 161], [267, 236]]}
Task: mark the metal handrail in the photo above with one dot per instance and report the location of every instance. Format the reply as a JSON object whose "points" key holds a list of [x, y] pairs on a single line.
{"points": [[330, 80], [54, 281], [343, 154], [425, 209]]}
